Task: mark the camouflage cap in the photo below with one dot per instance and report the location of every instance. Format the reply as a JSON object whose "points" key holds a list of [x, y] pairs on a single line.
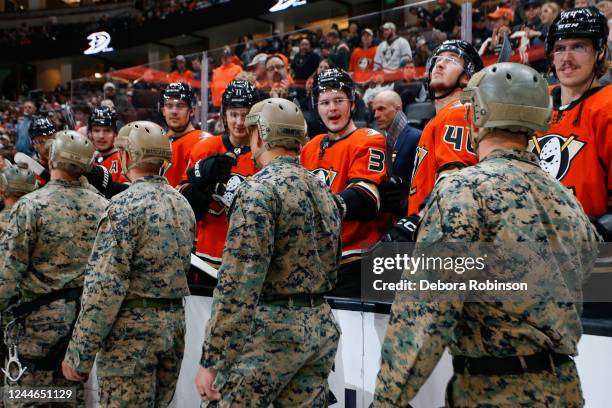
{"points": [[146, 143], [280, 123], [71, 151], [508, 96], [18, 180]]}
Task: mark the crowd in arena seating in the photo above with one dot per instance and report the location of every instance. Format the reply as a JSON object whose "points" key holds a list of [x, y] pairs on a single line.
{"points": [[391, 57]]}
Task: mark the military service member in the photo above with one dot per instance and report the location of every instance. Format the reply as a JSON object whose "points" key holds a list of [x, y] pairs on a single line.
{"points": [[132, 307], [272, 338], [15, 181], [504, 354], [44, 254]]}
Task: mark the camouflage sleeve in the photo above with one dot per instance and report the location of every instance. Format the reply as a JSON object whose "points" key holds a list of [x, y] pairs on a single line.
{"points": [[419, 332], [246, 257], [106, 284], [15, 245]]}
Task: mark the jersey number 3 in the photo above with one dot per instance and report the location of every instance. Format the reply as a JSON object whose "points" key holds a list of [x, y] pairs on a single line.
{"points": [[377, 161]]}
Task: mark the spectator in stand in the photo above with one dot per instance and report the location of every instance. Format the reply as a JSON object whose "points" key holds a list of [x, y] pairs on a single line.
{"points": [[605, 7], [352, 37], [197, 67], [257, 69], [124, 108], [446, 17], [249, 51], [550, 11], [24, 143], [532, 26], [393, 52], [422, 52], [340, 53], [181, 73], [362, 58], [222, 76], [501, 21], [480, 31], [584, 3], [324, 65], [305, 61], [424, 17], [278, 82]]}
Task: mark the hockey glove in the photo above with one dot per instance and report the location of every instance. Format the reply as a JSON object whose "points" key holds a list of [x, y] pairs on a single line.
{"points": [[394, 196], [208, 172], [603, 225], [403, 231], [99, 177]]}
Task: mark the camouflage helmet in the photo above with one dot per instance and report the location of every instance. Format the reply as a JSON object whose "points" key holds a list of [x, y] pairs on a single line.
{"points": [[71, 151], [125, 130], [146, 143], [18, 180], [508, 96], [280, 123]]}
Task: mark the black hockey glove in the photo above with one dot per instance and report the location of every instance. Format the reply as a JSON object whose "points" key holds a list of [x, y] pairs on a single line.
{"points": [[394, 196], [212, 170], [403, 231], [99, 177]]}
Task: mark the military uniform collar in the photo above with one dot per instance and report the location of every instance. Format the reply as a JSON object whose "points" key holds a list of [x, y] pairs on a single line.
{"points": [[513, 154], [151, 179], [286, 159], [65, 183]]}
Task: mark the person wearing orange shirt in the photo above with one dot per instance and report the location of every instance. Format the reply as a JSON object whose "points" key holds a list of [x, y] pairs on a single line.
{"points": [[352, 163], [102, 131], [577, 148], [218, 165], [445, 142], [181, 73], [362, 58], [222, 76], [176, 104]]}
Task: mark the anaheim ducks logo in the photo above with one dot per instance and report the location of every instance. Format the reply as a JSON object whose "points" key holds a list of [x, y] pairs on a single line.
{"points": [[556, 153], [421, 152], [363, 63], [325, 175], [228, 196]]}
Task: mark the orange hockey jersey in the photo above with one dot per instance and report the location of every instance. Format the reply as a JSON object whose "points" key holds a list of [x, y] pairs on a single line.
{"points": [[112, 162], [446, 140], [360, 156], [362, 64], [577, 149], [212, 229], [181, 148]]}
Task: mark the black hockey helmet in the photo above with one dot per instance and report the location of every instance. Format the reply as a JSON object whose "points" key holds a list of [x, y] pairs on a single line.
{"points": [[585, 22], [177, 90], [41, 126], [472, 62], [102, 116], [239, 94], [333, 78]]}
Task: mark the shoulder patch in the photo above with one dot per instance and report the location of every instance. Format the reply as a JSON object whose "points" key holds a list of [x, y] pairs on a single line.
{"points": [[372, 132]]}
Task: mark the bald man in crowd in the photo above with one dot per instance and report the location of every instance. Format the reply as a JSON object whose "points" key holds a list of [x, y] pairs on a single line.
{"points": [[390, 118]]}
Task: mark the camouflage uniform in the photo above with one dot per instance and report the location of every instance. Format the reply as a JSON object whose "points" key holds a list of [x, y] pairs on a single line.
{"points": [[4, 219], [45, 249], [504, 199], [142, 251], [283, 240]]}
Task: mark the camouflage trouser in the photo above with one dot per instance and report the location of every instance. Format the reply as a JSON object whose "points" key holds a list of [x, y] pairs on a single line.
{"points": [[140, 359], [537, 390], [285, 362], [44, 328]]}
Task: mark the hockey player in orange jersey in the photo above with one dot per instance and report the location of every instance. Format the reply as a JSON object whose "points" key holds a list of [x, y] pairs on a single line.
{"points": [[577, 149], [176, 104], [217, 166], [352, 163], [445, 142], [102, 131]]}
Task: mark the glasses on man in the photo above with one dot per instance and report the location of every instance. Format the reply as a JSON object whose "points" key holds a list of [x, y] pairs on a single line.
{"points": [[273, 68], [578, 48], [447, 60], [335, 101]]}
